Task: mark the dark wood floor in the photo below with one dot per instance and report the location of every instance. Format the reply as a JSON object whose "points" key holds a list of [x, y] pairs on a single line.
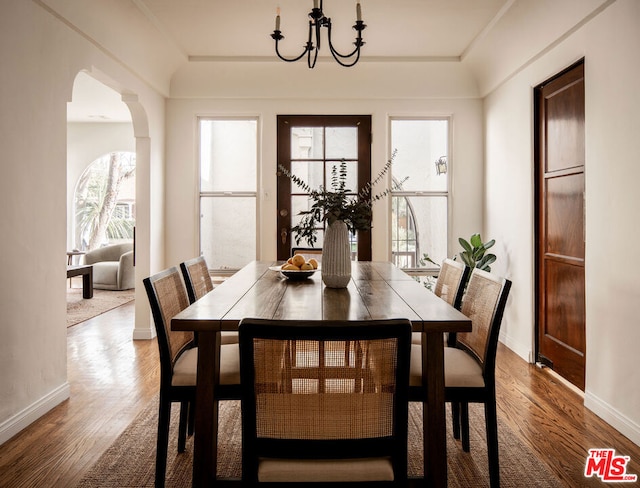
{"points": [[113, 377]]}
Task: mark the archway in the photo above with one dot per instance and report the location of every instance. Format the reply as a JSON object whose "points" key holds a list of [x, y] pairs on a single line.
{"points": [[106, 94]]}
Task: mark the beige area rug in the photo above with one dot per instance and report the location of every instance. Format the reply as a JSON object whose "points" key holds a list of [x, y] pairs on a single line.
{"points": [[130, 461], [80, 309]]}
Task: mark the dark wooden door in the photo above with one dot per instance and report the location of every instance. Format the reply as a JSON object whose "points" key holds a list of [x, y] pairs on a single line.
{"points": [[309, 146], [560, 224]]}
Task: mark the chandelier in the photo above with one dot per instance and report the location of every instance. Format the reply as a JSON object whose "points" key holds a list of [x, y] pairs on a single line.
{"points": [[316, 22]]}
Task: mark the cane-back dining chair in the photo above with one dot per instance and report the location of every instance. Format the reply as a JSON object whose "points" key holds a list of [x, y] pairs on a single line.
{"points": [[321, 418], [469, 366], [198, 282], [178, 363], [450, 287]]}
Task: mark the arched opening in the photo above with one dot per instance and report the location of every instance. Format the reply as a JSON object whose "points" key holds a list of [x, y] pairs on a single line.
{"points": [[101, 189]]}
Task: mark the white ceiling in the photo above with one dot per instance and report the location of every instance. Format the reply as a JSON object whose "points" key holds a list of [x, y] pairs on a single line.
{"points": [[240, 30]]}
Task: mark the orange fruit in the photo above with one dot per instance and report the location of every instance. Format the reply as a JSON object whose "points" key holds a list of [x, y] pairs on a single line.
{"points": [[298, 260]]}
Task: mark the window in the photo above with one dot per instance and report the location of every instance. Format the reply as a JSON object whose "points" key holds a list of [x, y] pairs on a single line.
{"points": [[420, 196], [104, 201], [228, 183]]}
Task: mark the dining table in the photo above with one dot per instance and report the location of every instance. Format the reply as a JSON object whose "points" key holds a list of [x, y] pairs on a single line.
{"points": [[377, 290]]}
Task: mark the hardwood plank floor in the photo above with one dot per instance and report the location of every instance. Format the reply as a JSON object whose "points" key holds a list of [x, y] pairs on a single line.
{"points": [[112, 377]]}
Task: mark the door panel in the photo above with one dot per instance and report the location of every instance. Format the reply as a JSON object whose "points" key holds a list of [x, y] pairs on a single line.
{"points": [[560, 232], [310, 146], [565, 201]]}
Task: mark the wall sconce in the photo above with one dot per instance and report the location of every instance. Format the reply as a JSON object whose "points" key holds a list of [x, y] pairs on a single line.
{"points": [[441, 165]]}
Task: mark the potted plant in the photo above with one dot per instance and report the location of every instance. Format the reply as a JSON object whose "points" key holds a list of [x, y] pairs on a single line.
{"points": [[474, 252], [343, 213]]}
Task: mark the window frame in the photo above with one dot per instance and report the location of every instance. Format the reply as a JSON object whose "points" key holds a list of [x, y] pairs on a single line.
{"points": [[226, 272], [429, 269]]}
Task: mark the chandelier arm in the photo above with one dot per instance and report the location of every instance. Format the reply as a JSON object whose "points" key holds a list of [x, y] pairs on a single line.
{"points": [[277, 36], [290, 60], [347, 65], [311, 64], [358, 43]]}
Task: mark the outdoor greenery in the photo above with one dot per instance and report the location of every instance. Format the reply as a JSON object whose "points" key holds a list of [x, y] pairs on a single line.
{"points": [[337, 203], [97, 197]]}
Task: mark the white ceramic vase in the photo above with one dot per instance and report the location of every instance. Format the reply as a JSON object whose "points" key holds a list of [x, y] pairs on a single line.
{"points": [[336, 256]]}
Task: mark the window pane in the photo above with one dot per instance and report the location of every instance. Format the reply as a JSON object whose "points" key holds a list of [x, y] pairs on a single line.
{"points": [[299, 204], [351, 181], [228, 155], [308, 171], [228, 231], [419, 226], [306, 143], [420, 143], [342, 142]]}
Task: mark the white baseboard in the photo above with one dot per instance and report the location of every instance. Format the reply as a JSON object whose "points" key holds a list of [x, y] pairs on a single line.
{"points": [[143, 334], [33, 412], [613, 417], [522, 350]]}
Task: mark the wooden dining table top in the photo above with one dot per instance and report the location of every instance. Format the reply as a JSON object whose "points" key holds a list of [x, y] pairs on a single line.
{"points": [[378, 290]]}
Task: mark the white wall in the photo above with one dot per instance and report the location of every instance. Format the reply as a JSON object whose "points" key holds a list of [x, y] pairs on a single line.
{"points": [[40, 57], [86, 142], [609, 43], [225, 89]]}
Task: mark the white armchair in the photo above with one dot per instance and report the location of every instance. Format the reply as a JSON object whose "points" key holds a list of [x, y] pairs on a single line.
{"points": [[112, 267]]}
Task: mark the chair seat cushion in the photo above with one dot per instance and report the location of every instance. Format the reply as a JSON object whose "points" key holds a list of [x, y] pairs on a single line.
{"points": [[229, 364], [184, 371], [186, 367], [460, 369], [229, 337], [325, 470]]}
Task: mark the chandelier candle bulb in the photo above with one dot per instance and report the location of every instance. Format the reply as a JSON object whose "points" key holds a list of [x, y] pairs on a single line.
{"points": [[315, 3], [278, 19], [358, 11]]}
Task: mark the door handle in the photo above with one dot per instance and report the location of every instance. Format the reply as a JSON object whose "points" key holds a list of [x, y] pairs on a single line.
{"points": [[283, 235]]}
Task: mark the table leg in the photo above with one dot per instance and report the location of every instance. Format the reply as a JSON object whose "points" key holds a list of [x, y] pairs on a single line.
{"points": [[205, 453], [87, 284], [434, 420]]}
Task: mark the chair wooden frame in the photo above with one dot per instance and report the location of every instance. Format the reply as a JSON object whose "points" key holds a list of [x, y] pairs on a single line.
{"points": [[450, 285], [484, 302], [168, 296], [452, 275], [196, 278], [198, 282], [321, 449]]}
